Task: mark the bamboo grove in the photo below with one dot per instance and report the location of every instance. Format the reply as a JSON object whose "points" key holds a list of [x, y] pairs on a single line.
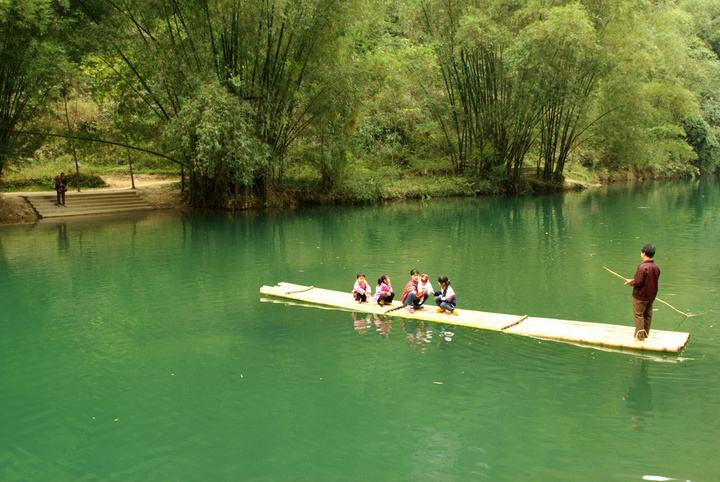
{"points": [[251, 97]]}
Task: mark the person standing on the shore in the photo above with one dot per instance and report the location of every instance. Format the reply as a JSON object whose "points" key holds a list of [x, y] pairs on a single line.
{"points": [[60, 188], [645, 288]]}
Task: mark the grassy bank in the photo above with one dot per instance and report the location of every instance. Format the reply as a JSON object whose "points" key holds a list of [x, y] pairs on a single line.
{"points": [[40, 176], [371, 189], [363, 188], [303, 185]]}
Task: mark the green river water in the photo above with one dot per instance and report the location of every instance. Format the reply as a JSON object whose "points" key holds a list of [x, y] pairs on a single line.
{"points": [[138, 347]]}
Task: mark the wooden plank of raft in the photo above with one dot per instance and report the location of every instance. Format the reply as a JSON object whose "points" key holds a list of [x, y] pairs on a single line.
{"points": [[324, 297], [600, 334], [618, 336], [473, 319]]}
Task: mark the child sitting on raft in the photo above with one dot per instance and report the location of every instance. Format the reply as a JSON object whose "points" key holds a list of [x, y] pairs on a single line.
{"points": [[410, 296], [361, 290], [384, 293], [445, 298], [425, 288]]}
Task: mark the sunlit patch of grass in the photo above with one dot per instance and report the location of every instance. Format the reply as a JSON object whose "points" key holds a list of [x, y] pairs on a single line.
{"points": [[40, 176]]}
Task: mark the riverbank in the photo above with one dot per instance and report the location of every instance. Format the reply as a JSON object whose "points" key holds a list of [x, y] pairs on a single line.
{"points": [[16, 210], [164, 192]]}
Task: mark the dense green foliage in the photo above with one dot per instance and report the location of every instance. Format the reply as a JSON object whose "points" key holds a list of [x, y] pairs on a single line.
{"points": [[29, 57], [214, 130], [256, 96]]}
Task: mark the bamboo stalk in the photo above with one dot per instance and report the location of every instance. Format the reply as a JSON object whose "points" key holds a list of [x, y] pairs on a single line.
{"points": [[687, 315], [615, 273], [101, 141], [69, 128]]}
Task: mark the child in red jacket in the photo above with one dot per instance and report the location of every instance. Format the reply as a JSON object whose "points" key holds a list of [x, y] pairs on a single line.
{"points": [[410, 294]]}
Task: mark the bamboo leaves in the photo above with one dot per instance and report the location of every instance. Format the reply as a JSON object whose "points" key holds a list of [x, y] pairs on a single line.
{"points": [[28, 64], [564, 61], [494, 85], [213, 131], [261, 51], [491, 110]]}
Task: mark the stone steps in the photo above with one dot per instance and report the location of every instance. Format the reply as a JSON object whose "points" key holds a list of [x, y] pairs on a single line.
{"points": [[100, 203], [94, 202]]}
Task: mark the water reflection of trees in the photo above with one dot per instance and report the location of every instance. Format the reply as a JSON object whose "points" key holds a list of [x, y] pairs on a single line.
{"points": [[46, 239], [3, 262]]}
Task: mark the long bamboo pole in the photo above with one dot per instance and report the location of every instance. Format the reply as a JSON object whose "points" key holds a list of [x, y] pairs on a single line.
{"points": [[687, 315], [88, 139]]}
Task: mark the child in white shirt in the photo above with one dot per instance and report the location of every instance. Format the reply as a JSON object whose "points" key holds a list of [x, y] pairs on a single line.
{"points": [[446, 299]]}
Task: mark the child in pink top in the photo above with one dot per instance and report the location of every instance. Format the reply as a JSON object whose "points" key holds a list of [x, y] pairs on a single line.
{"points": [[384, 293], [361, 290]]}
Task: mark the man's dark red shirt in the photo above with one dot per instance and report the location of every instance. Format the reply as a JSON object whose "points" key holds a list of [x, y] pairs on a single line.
{"points": [[645, 283]]}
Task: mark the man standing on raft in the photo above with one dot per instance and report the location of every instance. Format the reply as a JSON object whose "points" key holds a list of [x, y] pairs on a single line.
{"points": [[645, 288]]}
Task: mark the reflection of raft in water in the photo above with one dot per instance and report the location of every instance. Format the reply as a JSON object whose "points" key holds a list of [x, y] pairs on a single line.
{"points": [[583, 332]]}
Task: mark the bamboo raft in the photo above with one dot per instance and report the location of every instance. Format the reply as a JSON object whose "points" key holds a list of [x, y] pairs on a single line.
{"points": [[582, 332]]}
